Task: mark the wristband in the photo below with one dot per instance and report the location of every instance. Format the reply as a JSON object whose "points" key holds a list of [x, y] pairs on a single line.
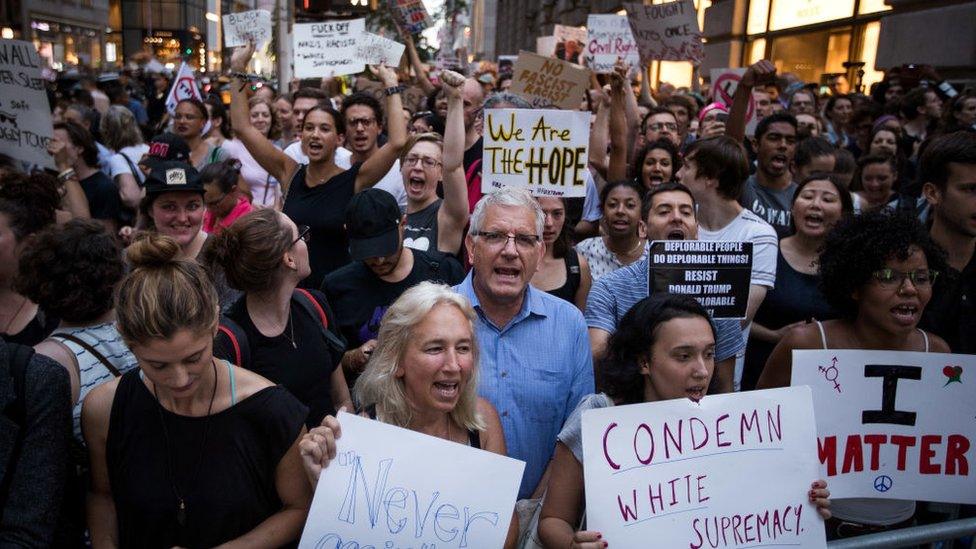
{"points": [[66, 175], [394, 90]]}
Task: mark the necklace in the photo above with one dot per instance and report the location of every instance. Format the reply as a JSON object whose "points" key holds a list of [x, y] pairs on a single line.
{"points": [[638, 246], [6, 329], [181, 501], [291, 325]]}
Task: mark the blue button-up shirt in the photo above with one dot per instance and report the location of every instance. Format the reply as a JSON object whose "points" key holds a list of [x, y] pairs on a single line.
{"points": [[534, 370]]}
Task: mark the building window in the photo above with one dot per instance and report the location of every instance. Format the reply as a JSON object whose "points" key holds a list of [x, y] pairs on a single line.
{"points": [[812, 55], [758, 13], [872, 6], [787, 14], [869, 54], [757, 50]]}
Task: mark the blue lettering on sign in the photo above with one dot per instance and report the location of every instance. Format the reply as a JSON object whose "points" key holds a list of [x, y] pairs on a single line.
{"points": [[393, 507]]}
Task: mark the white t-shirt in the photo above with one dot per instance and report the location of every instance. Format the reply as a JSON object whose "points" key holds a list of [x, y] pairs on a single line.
{"points": [[117, 164], [748, 227], [392, 182]]}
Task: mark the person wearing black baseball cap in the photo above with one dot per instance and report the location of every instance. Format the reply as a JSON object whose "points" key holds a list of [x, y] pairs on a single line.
{"points": [[165, 147], [381, 270], [173, 205]]}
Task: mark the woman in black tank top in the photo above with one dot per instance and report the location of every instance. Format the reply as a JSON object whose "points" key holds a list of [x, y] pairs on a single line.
{"points": [[563, 272], [420, 377]]}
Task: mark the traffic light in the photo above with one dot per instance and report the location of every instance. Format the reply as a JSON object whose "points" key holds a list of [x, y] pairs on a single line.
{"points": [[188, 51]]}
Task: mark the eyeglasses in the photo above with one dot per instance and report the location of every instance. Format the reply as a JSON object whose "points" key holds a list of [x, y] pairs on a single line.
{"points": [[304, 234], [890, 279], [364, 122], [427, 161], [658, 126], [523, 242]]}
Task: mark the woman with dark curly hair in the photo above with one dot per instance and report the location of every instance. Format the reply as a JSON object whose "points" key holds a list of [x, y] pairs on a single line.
{"points": [[663, 349], [27, 205], [71, 272], [876, 271], [656, 163]]}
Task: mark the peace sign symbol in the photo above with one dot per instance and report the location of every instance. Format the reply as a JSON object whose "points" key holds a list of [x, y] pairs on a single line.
{"points": [[882, 483]]}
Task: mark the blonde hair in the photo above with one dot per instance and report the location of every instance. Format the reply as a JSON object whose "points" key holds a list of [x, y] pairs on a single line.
{"points": [[163, 294], [379, 384]]}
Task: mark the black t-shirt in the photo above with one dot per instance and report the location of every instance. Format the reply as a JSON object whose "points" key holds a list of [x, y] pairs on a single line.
{"points": [[36, 331], [474, 153], [360, 298], [323, 208], [951, 313], [103, 196], [420, 232], [305, 369]]}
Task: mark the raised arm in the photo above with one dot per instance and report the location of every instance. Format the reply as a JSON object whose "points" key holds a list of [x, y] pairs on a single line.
{"points": [[759, 72], [620, 136], [418, 67], [382, 160], [273, 160], [453, 214], [600, 132]]}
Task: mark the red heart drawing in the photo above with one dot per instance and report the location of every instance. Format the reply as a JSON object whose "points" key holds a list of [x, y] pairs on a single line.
{"points": [[949, 371]]}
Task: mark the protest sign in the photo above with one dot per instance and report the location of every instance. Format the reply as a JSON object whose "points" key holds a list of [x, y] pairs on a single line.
{"points": [[545, 82], [184, 87], [609, 37], [730, 470], [544, 151], [25, 114], [327, 48], [374, 49], [249, 26], [893, 424], [545, 45], [717, 274], [410, 15], [570, 43], [564, 33], [392, 487], [724, 84], [667, 32]]}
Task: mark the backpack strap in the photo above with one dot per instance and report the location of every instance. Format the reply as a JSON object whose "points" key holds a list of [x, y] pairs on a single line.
{"points": [[136, 172], [239, 350], [312, 306], [94, 352]]}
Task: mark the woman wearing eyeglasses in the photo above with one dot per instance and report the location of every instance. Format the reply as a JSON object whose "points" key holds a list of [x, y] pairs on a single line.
{"points": [[877, 271], [288, 336], [189, 120], [434, 223]]}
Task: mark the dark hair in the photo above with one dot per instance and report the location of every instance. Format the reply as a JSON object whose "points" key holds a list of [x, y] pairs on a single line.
{"points": [[80, 137], [337, 120], [198, 105], [628, 183], [805, 91], [666, 187], [911, 102], [562, 244], [949, 122], [218, 110], [664, 144], [224, 174], [71, 271], [29, 201], [768, 121], [860, 245], [870, 160], [249, 251], [846, 201], [844, 161], [653, 111], [618, 372], [366, 100], [810, 148], [833, 101], [933, 162], [308, 93], [722, 158], [682, 101]]}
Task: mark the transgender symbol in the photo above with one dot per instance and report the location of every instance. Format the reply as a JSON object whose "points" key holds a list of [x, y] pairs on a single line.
{"points": [[954, 373], [830, 373]]}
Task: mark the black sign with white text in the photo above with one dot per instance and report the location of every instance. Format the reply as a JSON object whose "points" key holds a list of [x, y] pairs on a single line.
{"points": [[717, 274]]}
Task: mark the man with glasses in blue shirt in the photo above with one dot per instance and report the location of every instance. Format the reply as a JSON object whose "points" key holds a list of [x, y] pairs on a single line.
{"points": [[535, 356]]}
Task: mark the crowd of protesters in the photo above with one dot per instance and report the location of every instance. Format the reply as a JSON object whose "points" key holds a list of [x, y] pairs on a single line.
{"points": [[191, 296]]}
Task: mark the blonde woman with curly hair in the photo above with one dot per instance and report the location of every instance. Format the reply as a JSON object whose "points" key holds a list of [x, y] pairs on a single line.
{"points": [[421, 376]]}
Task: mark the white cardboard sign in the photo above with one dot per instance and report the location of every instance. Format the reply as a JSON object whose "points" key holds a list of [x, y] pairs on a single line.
{"points": [[327, 48], [392, 487], [735, 467], [667, 32], [724, 83], [544, 151], [253, 26], [893, 424], [609, 37], [25, 114], [374, 49]]}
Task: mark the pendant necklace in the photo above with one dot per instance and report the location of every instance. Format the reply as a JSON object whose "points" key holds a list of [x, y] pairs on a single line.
{"points": [[181, 501]]}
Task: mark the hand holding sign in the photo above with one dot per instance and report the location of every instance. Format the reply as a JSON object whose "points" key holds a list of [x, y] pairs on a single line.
{"points": [[387, 75], [318, 447], [248, 26], [241, 57]]}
